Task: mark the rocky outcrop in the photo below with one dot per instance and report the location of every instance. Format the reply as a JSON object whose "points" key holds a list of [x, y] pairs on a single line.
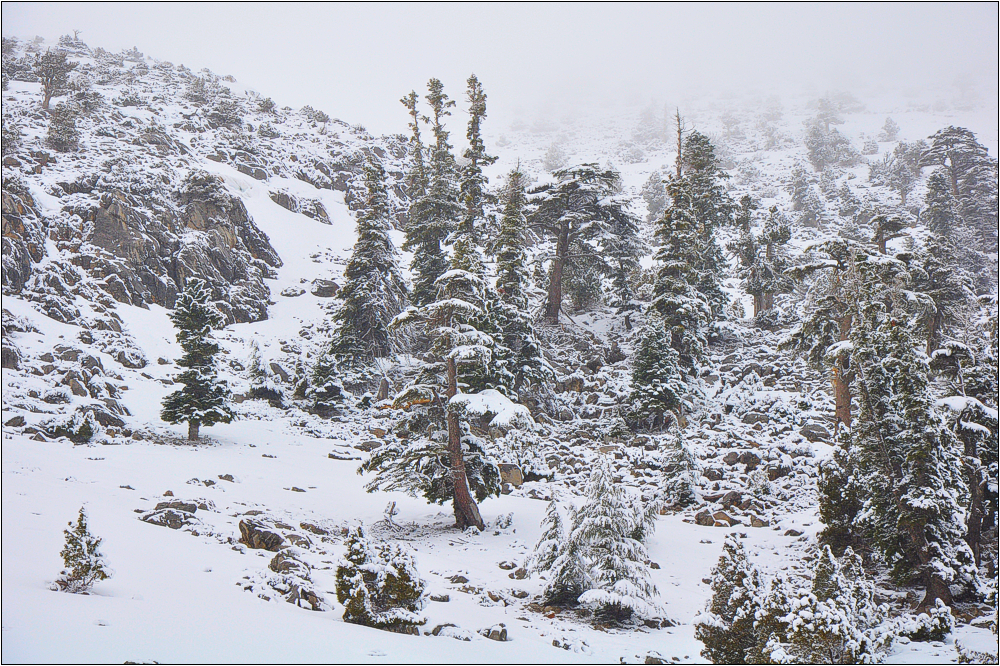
{"points": [[23, 235]]}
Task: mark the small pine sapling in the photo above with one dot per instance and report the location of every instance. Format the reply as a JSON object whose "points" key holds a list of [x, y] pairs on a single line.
{"points": [[680, 474], [727, 626], [380, 586], [82, 558]]}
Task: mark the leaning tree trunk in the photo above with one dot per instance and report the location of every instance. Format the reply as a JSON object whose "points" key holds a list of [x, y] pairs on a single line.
{"points": [[193, 431], [555, 279], [466, 510], [977, 483]]}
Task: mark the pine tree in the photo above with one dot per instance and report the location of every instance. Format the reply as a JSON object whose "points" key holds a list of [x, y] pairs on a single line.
{"points": [[52, 69], [262, 384], [605, 527], [562, 560], [456, 346], [380, 586], [204, 399], [438, 211], [658, 387], [909, 462], [473, 184], [82, 558], [680, 473], [972, 175], [685, 311], [63, 134], [890, 131], [655, 196], [579, 213], [374, 290], [727, 626], [511, 311], [416, 176], [761, 261]]}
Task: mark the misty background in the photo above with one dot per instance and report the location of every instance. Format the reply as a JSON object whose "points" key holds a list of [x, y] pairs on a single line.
{"points": [[356, 61]]}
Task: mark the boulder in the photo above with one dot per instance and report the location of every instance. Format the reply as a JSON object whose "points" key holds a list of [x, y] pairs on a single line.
{"points": [[750, 459], [723, 519], [704, 518], [814, 432], [730, 499], [283, 563], [292, 292], [775, 472], [324, 288], [179, 505], [254, 535], [731, 458], [171, 518], [755, 417], [280, 372], [497, 632], [511, 474]]}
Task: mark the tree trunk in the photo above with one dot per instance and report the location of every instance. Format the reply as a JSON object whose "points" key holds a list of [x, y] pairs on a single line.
{"points": [[976, 481], [758, 304], [933, 332], [841, 382], [46, 98], [466, 511], [555, 278], [193, 431], [680, 142]]}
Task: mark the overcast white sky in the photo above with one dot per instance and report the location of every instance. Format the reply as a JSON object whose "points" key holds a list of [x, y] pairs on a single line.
{"points": [[356, 61]]}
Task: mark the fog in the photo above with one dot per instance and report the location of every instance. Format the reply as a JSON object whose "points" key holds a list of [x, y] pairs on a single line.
{"points": [[356, 61]]}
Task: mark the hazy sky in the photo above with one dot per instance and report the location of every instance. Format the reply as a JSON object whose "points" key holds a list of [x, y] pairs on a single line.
{"points": [[356, 61]]}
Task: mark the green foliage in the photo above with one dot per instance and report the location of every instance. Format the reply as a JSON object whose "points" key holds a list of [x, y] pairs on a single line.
{"points": [[82, 559], [680, 473], [63, 134], [727, 626], [658, 387], [204, 398], [374, 290], [598, 557], [379, 585]]}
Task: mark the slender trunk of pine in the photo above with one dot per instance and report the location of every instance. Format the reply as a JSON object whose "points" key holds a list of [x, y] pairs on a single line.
{"points": [[193, 431], [974, 523], [680, 142], [555, 280], [841, 385], [45, 100], [466, 510]]}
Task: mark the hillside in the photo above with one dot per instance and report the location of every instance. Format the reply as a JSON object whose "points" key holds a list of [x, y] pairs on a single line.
{"points": [[158, 174]]}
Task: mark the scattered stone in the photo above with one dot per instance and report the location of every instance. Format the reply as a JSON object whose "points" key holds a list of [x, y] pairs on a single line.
{"points": [[730, 499], [280, 372], [511, 474], [292, 292], [337, 455], [518, 574], [440, 598], [731, 458], [15, 422], [315, 529], [170, 518], [704, 518], [378, 432], [723, 519], [712, 474], [755, 417], [775, 472], [368, 446], [497, 632], [507, 565], [757, 522], [324, 288], [451, 631], [254, 535], [458, 579], [296, 489], [750, 459], [814, 432], [179, 505], [226, 477], [793, 533]]}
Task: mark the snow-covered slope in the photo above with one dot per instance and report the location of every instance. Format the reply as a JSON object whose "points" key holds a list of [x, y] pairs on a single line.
{"points": [[198, 593]]}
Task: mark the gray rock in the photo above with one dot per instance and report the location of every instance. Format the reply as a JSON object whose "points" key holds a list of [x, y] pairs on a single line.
{"points": [[15, 422], [511, 474], [253, 534], [750, 459], [324, 288], [171, 518], [179, 505], [755, 417], [814, 432], [704, 518], [280, 372], [731, 458], [732, 498]]}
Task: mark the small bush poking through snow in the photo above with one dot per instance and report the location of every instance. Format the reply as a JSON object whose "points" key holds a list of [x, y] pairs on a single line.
{"points": [[380, 586], [82, 558]]}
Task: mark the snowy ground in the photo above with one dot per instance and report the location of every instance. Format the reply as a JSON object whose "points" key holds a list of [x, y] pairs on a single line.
{"points": [[180, 597]]}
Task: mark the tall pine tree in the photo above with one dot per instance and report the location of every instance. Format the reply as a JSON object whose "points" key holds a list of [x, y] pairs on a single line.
{"points": [[204, 398]]}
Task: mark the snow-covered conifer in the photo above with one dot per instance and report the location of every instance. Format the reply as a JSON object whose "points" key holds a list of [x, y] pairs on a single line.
{"points": [[374, 290], [658, 387], [82, 558], [204, 399], [727, 625], [680, 473], [604, 527], [379, 585]]}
